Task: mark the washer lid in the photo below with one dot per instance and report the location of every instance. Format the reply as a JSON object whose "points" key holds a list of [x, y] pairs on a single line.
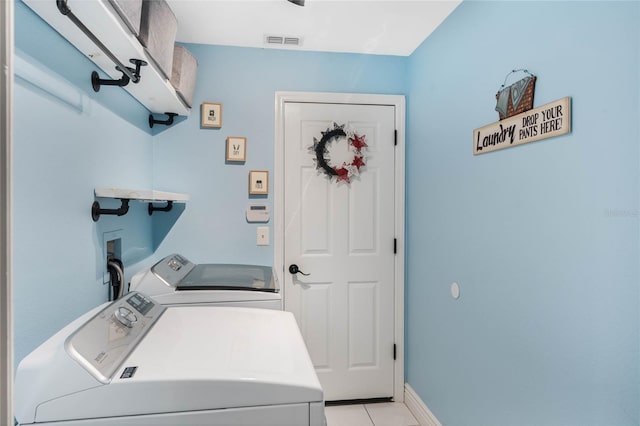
{"points": [[234, 344], [229, 277], [200, 358]]}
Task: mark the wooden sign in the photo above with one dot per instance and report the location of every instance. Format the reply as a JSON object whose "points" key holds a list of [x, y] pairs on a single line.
{"points": [[547, 121]]}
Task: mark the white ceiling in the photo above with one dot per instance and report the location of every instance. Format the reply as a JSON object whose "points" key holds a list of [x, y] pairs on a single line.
{"points": [[356, 26]]}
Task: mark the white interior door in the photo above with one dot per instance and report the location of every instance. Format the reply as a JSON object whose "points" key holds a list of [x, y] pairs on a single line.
{"points": [[342, 235]]}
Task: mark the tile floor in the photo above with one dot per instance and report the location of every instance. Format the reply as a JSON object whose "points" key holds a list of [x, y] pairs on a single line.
{"points": [[379, 414]]}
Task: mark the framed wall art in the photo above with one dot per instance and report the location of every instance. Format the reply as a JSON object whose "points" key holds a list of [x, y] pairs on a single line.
{"points": [[211, 114], [236, 149], [258, 182]]}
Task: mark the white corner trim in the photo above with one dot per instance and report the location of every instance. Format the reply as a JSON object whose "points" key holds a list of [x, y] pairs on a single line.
{"points": [[6, 200], [418, 408]]}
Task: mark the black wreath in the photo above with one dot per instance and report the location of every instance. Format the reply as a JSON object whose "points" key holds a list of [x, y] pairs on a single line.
{"points": [[321, 149]]}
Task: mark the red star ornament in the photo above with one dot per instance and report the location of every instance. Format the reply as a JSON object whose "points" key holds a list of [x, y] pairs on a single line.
{"points": [[358, 142], [343, 174], [358, 162]]}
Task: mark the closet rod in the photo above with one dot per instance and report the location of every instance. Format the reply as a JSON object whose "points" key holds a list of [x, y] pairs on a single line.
{"points": [[64, 9]]}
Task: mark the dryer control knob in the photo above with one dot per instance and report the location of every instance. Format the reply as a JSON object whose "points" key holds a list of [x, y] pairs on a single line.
{"points": [[126, 317]]}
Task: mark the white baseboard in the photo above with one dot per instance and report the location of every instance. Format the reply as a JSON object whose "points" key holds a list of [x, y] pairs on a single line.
{"points": [[418, 408]]}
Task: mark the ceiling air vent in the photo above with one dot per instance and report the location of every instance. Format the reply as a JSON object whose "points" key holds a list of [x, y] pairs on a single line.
{"points": [[270, 39], [282, 40]]}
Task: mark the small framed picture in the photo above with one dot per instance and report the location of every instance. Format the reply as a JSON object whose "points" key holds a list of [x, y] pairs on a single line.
{"points": [[258, 182], [211, 114], [236, 149]]}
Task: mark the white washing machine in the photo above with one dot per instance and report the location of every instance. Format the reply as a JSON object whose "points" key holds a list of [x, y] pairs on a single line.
{"points": [[135, 362], [177, 281]]}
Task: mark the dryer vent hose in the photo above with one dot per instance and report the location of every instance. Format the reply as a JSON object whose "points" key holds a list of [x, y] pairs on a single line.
{"points": [[116, 275]]}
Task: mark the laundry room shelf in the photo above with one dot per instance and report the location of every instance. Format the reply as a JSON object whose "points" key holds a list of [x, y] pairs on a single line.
{"points": [[153, 91], [145, 195], [150, 196]]}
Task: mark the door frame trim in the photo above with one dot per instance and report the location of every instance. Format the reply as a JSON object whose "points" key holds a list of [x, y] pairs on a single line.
{"points": [[6, 197], [398, 101]]}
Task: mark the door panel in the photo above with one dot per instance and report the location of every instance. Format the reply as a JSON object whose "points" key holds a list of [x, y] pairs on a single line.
{"points": [[342, 235], [316, 214], [363, 221], [315, 304], [363, 325]]}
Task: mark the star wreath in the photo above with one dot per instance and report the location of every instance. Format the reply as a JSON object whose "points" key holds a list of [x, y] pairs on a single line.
{"points": [[320, 151]]}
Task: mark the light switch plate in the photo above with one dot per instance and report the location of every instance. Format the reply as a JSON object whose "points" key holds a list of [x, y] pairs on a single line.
{"points": [[263, 236]]}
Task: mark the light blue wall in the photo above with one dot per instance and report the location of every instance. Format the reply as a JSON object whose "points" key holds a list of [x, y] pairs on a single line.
{"points": [[190, 159], [61, 153], [542, 238], [36, 38]]}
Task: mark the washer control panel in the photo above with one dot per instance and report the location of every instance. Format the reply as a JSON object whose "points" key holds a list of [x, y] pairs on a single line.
{"points": [[102, 344], [126, 317], [172, 269]]}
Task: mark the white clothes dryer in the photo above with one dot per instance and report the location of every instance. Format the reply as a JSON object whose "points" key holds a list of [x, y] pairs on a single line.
{"points": [[135, 362], [177, 281]]}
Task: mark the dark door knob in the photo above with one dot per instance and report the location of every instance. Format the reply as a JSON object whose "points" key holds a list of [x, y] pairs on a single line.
{"points": [[293, 269]]}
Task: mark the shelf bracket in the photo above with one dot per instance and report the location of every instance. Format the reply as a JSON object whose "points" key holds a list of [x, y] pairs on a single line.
{"points": [[97, 82], [166, 208], [96, 211], [167, 122]]}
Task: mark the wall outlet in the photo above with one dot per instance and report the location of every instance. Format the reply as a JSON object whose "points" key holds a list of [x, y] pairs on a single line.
{"points": [[263, 236]]}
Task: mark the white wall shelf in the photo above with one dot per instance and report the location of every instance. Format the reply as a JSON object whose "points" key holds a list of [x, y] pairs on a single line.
{"points": [[143, 195], [154, 91]]}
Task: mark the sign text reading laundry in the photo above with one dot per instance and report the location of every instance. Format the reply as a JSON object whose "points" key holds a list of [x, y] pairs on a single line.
{"points": [[552, 119]]}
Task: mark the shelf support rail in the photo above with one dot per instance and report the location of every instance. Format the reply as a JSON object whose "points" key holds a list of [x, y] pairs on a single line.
{"points": [[128, 73], [167, 122], [96, 211], [166, 208]]}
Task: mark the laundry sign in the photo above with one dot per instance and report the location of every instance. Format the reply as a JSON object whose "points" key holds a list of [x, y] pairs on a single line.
{"points": [[547, 121]]}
